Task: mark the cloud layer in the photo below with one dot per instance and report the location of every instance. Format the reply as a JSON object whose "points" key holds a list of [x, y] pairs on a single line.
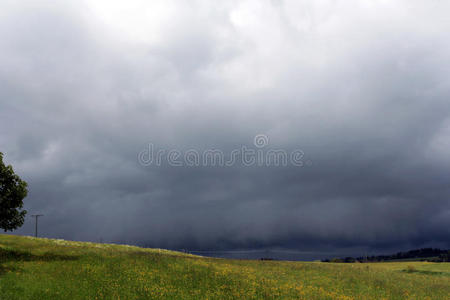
{"points": [[362, 88]]}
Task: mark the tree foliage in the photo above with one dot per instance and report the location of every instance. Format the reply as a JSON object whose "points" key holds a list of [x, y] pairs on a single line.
{"points": [[12, 192], [424, 254]]}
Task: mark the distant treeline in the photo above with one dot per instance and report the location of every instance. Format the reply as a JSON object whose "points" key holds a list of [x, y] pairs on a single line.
{"points": [[424, 254]]}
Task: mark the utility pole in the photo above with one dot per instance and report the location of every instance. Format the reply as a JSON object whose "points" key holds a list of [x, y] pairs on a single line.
{"points": [[36, 224]]}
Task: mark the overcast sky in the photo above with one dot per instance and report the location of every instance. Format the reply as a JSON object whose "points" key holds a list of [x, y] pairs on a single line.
{"points": [[360, 87]]}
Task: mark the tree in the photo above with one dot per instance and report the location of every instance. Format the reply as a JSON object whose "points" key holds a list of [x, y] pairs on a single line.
{"points": [[12, 191]]}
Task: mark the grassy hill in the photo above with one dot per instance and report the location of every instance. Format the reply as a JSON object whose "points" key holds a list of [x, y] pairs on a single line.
{"points": [[35, 268]]}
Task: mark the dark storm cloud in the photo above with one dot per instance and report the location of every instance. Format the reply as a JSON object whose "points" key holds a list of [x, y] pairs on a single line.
{"points": [[361, 89]]}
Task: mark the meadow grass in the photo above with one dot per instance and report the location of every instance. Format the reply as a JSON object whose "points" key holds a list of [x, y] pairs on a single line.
{"points": [[36, 268]]}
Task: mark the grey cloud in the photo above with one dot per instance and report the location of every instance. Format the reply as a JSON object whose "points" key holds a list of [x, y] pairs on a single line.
{"points": [[363, 94]]}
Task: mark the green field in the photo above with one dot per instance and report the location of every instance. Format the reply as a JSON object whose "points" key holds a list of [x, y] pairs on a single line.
{"points": [[34, 268]]}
